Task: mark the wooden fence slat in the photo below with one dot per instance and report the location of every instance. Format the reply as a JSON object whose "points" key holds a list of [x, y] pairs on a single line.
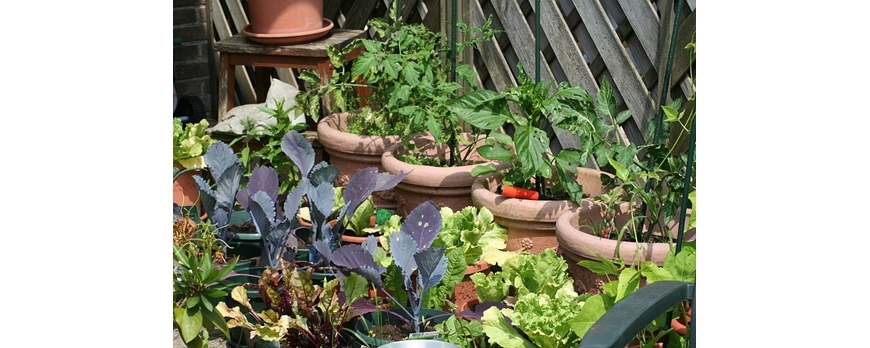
{"points": [[566, 50], [243, 81], [625, 77], [359, 7], [237, 13], [681, 55], [492, 55], [645, 23]]}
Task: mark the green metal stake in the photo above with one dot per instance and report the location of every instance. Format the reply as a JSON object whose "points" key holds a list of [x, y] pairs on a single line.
{"points": [[537, 41]]}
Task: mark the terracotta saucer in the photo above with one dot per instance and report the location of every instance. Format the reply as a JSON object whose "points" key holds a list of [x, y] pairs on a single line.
{"points": [[288, 39]]}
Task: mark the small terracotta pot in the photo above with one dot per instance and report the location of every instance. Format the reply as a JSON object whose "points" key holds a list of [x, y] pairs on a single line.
{"points": [[184, 189]]}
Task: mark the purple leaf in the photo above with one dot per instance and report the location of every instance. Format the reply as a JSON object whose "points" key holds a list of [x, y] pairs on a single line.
{"points": [[403, 248], [294, 199], [218, 158], [299, 150], [264, 179], [431, 265], [423, 224], [477, 311], [262, 211], [370, 244], [360, 261]]}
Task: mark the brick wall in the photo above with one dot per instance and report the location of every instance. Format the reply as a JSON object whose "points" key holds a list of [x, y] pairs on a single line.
{"points": [[192, 58]]}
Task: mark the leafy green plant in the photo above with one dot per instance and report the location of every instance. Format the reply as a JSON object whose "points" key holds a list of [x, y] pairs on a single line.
{"points": [[462, 331], [543, 106], [189, 143], [656, 182], [474, 231], [299, 311], [540, 299], [198, 286], [262, 147], [404, 67], [628, 279]]}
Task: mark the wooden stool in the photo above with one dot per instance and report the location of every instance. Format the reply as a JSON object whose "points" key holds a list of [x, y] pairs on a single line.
{"points": [[239, 50]]}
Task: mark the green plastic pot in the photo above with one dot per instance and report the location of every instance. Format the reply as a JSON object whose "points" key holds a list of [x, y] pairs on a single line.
{"points": [[245, 243], [370, 321]]}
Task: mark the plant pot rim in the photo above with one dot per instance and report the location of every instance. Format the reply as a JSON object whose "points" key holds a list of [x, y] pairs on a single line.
{"points": [[521, 209], [424, 175], [575, 243], [332, 134]]}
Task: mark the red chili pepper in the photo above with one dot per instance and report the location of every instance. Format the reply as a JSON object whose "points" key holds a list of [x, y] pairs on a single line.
{"points": [[516, 192]]}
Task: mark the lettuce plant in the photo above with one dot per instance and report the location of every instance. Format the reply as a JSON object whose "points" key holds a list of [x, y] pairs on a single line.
{"points": [[422, 265], [189, 142], [545, 302], [475, 232]]}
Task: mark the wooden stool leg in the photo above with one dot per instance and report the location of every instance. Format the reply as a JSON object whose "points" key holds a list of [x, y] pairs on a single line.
{"points": [[263, 77], [224, 92]]}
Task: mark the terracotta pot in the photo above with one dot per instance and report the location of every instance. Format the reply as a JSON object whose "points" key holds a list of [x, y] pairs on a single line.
{"points": [[444, 186], [582, 243], [285, 16], [351, 152], [184, 189], [356, 240], [531, 224]]}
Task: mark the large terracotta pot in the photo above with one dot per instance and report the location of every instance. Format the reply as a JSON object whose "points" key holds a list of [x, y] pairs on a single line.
{"points": [[444, 186], [578, 241], [531, 224], [285, 16], [351, 152]]}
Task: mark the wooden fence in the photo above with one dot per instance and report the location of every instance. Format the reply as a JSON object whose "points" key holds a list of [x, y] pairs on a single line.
{"points": [[582, 42]]}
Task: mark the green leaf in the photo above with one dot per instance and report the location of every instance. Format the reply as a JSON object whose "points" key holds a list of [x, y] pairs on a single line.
{"points": [[483, 169], [363, 65], [621, 171], [500, 333], [671, 114], [496, 153], [192, 302], [391, 66], [629, 282], [411, 74], [532, 147], [654, 273], [593, 309], [189, 323], [218, 321], [483, 109], [623, 116], [354, 287]]}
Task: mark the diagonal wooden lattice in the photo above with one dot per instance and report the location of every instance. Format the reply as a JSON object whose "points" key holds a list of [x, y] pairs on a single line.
{"points": [[582, 42]]}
